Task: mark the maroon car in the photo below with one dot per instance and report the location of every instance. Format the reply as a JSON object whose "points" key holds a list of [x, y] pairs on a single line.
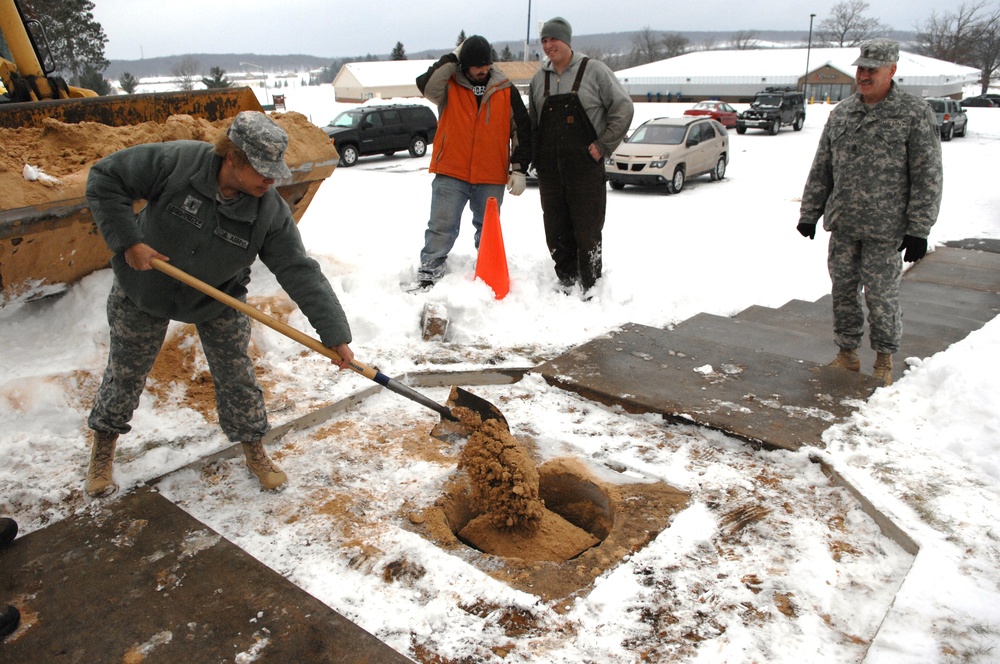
{"points": [[717, 110]]}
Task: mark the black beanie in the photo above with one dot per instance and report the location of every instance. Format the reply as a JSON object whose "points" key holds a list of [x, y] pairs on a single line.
{"points": [[476, 52]]}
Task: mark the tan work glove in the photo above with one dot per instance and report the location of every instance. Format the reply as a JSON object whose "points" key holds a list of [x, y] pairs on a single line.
{"points": [[516, 183]]}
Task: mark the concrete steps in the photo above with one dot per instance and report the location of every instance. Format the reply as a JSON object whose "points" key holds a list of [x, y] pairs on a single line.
{"points": [[761, 375]]}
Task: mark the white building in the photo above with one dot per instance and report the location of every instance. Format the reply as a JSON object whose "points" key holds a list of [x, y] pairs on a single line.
{"points": [[735, 75], [361, 81]]}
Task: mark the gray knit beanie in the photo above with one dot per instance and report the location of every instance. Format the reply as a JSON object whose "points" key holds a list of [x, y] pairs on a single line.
{"points": [[558, 28]]}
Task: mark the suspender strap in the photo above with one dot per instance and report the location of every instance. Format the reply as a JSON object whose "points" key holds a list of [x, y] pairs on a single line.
{"points": [[579, 75], [576, 82]]}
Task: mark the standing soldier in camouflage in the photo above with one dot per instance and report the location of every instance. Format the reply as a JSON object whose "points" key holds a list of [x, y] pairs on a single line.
{"points": [[212, 211], [876, 180]]}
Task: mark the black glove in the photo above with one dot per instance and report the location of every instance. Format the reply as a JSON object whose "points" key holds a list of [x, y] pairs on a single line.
{"points": [[916, 248], [807, 230]]}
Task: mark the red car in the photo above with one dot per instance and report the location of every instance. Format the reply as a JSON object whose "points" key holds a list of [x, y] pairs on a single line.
{"points": [[717, 110]]}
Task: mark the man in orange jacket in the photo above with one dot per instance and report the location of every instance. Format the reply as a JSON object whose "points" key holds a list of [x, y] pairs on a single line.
{"points": [[483, 142]]}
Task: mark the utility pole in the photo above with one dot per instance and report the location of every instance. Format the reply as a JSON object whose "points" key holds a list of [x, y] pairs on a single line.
{"points": [[805, 81], [527, 35]]}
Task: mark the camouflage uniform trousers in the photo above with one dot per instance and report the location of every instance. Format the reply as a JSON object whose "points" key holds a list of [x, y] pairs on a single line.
{"points": [[136, 339], [873, 268]]}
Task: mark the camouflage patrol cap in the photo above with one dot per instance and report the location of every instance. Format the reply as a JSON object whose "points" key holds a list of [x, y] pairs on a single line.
{"points": [[264, 143], [877, 52]]}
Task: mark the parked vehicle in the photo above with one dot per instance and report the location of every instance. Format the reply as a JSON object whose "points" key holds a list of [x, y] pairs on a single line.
{"points": [[951, 117], [668, 151], [44, 247], [773, 108], [717, 110], [982, 101], [385, 130]]}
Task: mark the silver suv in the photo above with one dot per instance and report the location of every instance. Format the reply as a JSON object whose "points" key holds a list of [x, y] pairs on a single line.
{"points": [[951, 117]]}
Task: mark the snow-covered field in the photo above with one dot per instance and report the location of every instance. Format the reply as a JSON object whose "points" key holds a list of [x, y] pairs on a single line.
{"points": [[808, 578]]}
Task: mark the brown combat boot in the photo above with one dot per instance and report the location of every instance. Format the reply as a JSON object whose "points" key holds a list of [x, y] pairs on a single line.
{"points": [[271, 477], [882, 370], [847, 359], [100, 482]]}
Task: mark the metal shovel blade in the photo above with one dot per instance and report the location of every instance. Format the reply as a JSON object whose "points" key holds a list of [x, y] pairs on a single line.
{"points": [[455, 432]]}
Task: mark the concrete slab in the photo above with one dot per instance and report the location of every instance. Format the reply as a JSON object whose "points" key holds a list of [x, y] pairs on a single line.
{"points": [[140, 580], [796, 337], [976, 244], [917, 320], [760, 397], [974, 270]]}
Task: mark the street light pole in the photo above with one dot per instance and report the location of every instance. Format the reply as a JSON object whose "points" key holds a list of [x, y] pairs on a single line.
{"points": [[263, 74], [805, 81], [527, 34]]}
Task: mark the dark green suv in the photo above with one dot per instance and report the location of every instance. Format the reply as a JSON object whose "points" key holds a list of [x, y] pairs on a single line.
{"points": [[773, 108], [383, 130]]}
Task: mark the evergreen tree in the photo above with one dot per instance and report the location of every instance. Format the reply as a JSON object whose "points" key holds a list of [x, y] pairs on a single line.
{"points": [[92, 79], [398, 52], [76, 39], [216, 79], [128, 83], [461, 38], [506, 55]]}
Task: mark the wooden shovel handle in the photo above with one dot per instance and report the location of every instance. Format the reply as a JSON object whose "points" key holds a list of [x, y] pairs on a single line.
{"points": [[273, 323]]}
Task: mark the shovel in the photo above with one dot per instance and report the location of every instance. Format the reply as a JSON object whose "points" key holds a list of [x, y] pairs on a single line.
{"points": [[459, 397]]}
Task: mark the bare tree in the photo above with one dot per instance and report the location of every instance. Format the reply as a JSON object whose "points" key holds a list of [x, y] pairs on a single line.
{"points": [[744, 40], [969, 36], [187, 71], [708, 44], [675, 44], [949, 36], [646, 47], [847, 25], [988, 48]]}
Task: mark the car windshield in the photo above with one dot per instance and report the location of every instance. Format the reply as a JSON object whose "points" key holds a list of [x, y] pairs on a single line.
{"points": [[767, 100], [660, 134], [347, 119]]}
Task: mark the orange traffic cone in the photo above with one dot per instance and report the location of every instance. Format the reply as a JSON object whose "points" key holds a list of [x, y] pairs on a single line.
{"points": [[491, 264]]}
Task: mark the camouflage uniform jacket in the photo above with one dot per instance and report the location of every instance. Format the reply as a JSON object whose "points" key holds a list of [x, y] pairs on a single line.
{"points": [[877, 171], [209, 240]]}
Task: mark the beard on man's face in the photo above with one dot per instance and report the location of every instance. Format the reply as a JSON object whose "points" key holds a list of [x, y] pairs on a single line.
{"points": [[477, 78]]}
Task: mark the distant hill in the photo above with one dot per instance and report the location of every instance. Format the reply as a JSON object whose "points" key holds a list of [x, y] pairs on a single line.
{"points": [[606, 43]]}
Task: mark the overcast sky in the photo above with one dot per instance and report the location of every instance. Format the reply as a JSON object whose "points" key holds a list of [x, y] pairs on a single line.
{"points": [[337, 28]]}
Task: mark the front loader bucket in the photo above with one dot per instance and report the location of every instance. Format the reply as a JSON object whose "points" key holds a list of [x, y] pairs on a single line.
{"points": [[46, 245], [127, 110]]}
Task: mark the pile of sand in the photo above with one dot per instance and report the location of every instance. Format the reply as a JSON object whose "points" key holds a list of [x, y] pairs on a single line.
{"points": [[67, 151], [503, 482]]}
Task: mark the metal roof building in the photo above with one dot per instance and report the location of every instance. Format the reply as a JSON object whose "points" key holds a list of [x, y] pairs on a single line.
{"points": [[735, 76]]}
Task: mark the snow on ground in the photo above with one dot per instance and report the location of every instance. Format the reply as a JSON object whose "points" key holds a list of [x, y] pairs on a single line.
{"points": [[770, 562]]}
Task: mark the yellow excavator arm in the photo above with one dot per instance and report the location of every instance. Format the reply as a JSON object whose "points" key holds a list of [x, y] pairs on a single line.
{"points": [[27, 78], [44, 246]]}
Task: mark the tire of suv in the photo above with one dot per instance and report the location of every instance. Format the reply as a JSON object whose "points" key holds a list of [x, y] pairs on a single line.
{"points": [[348, 155], [418, 146], [719, 172], [740, 129], [677, 181], [775, 126], [617, 186], [965, 130], [947, 132], [799, 121]]}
